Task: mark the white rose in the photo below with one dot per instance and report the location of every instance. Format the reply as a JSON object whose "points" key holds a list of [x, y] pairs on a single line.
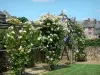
{"points": [[48, 36], [48, 23], [31, 44], [59, 57], [55, 34], [29, 50], [51, 39], [68, 31], [5, 46], [52, 29], [8, 35], [51, 59], [54, 23], [51, 34], [57, 37], [11, 27], [24, 31], [20, 31], [52, 51], [47, 56], [30, 29], [77, 50], [20, 48], [44, 37], [13, 32], [47, 46], [58, 28], [19, 37], [39, 38]]}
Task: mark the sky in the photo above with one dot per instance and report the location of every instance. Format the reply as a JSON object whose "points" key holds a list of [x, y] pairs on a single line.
{"points": [[32, 9]]}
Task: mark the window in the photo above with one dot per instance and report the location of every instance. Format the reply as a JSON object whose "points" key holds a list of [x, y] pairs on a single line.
{"points": [[89, 33], [89, 28]]}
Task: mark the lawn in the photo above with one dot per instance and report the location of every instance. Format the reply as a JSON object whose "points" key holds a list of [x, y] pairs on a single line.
{"points": [[77, 69]]}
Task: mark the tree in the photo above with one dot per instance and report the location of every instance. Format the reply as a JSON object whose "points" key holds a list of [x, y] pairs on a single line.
{"points": [[23, 19]]}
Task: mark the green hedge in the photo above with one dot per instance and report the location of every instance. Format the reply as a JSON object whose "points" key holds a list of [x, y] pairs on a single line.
{"points": [[93, 42]]}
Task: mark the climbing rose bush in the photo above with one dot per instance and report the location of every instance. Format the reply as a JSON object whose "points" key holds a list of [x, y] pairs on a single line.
{"points": [[50, 37], [13, 21], [19, 43], [77, 39]]}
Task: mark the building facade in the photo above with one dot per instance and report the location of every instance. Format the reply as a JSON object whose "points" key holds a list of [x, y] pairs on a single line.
{"points": [[91, 28]]}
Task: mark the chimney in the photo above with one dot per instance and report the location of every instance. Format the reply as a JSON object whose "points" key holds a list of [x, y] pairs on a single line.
{"points": [[95, 21], [88, 19], [74, 19]]}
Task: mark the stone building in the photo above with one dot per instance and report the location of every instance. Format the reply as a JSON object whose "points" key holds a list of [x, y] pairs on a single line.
{"points": [[91, 28]]}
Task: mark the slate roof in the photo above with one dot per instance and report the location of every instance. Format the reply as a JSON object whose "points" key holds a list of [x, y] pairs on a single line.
{"points": [[97, 29], [6, 13], [87, 24], [97, 26], [1, 13]]}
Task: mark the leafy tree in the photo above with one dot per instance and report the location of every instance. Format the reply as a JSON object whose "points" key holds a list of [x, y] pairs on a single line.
{"points": [[23, 19]]}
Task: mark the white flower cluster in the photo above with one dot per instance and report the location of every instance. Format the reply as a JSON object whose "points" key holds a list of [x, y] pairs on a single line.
{"points": [[49, 58], [44, 17], [28, 22], [19, 37], [10, 36], [51, 51], [49, 37], [65, 27], [13, 20], [11, 27], [53, 18], [42, 37], [13, 32], [20, 48], [38, 22], [22, 31]]}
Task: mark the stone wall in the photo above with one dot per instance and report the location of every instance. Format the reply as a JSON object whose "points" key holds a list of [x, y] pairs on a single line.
{"points": [[93, 53]]}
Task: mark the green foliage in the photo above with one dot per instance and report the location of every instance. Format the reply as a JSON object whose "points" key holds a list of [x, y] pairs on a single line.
{"points": [[93, 42], [19, 41], [50, 37], [4, 63], [80, 56], [23, 19], [2, 40], [81, 39], [75, 39]]}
